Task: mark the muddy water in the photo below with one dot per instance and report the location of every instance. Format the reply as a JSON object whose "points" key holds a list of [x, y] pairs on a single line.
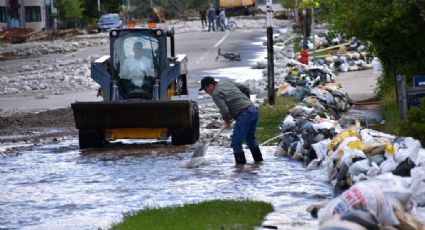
{"points": [[60, 187]]}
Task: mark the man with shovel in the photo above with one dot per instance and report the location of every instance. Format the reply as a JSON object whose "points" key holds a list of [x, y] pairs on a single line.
{"points": [[233, 101]]}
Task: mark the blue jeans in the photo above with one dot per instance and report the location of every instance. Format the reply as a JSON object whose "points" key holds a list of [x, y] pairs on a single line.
{"points": [[211, 24], [244, 130]]}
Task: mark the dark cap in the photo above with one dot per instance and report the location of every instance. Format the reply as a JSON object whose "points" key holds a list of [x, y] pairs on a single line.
{"points": [[206, 81]]}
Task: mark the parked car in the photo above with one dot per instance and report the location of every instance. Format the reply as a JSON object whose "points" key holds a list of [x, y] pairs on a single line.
{"points": [[108, 22]]}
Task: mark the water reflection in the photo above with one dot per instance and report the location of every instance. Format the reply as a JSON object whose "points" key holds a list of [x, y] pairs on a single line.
{"points": [[58, 186]]}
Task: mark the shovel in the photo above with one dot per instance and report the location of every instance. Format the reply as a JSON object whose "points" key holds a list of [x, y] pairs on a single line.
{"points": [[198, 156], [201, 149]]}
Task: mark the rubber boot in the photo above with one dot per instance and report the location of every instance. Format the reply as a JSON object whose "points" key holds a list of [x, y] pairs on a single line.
{"points": [[256, 154], [240, 158]]}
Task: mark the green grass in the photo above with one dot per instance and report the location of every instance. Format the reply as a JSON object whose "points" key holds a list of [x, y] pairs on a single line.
{"points": [[271, 118], [297, 44], [214, 214], [389, 110], [388, 106]]}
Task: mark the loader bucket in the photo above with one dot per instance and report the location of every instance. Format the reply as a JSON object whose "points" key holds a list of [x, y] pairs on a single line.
{"points": [[132, 114]]}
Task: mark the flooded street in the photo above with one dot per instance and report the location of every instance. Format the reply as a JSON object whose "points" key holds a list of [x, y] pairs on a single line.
{"points": [[52, 184], [61, 187]]}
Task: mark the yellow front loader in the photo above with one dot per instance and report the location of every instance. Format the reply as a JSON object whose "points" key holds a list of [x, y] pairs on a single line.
{"points": [[141, 105]]}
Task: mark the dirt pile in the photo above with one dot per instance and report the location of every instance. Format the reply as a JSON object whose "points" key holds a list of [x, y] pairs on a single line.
{"points": [[59, 118], [35, 128]]}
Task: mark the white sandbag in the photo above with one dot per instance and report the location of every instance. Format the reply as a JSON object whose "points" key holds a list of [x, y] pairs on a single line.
{"points": [[280, 151], [370, 136], [325, 124], [376, 65], [358, 167], [325, 173], [343, 67], [394, 186], [288, 123], [349, 153], [365, 193], [418, 157], [330, 99], [418, 185], [405, 148], [314, 164], [387, 166], [298, 154], [289, 91], [373, 170], [289, 119], [321, 148]]}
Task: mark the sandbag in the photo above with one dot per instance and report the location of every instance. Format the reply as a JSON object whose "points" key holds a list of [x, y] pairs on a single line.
{"points": [[366, 194], [418, 185], [405, 147], [321, 148], [393, 186]]}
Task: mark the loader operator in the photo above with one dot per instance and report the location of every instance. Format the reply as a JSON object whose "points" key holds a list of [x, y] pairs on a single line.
{"points": [[233, 101], [138, 67]]}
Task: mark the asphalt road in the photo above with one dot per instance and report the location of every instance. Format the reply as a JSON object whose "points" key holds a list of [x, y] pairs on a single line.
{"points": [[200, 47]]}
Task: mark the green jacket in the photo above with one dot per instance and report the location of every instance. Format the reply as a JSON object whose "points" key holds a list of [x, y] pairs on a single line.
{"points": [[231, 98]]}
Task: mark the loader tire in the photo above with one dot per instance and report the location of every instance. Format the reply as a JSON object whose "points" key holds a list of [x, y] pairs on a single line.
{"points": [[184, 136], [91, 138]]}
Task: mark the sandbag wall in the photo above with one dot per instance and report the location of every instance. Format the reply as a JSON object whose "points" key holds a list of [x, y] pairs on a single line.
{"points": [[379, 179]]}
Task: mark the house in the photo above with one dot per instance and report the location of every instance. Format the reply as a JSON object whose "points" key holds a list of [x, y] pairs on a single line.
{"points": [[32, 14]]}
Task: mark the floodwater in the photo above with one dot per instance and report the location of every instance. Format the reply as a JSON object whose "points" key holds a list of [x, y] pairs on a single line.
{"points": [[61, 187]]}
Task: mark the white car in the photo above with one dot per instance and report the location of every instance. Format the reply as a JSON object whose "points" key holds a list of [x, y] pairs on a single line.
{"points": [[108, 22]]}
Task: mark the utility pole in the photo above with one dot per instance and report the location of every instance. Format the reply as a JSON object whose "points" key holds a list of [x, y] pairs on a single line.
{"points": [[270, 62], [98, 6], [296, 12], [47, 6], [312, 34], [305, 42]]}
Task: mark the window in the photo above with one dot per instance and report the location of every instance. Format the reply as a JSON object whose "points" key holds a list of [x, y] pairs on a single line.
{"points": [[2, 14], [135, 57], [32, 14]]}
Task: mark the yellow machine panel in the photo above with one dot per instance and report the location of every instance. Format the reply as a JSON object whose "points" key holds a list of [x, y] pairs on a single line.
{"points": [[137, 133], [236, 3]]}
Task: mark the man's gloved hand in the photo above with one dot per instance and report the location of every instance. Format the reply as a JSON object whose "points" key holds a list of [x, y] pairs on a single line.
{"points": [[227, 124]]}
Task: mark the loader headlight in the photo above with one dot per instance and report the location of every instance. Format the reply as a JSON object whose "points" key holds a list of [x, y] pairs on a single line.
{"points": [[114, 33], [159, 33]]}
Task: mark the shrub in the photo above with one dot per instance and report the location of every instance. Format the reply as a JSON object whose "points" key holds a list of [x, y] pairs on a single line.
{"points": [[415, 125]]}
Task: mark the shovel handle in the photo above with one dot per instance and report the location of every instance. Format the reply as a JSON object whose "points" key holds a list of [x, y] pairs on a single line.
{"points": [[217, 133]]}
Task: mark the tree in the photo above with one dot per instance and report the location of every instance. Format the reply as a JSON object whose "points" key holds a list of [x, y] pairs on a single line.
{"points": [[289, 4], [197, 4], [90, 7], [69, 9], [394, 28], [172, 8]]}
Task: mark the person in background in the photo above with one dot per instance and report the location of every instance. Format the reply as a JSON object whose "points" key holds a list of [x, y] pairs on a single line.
{"points": [[222, 19], [211, 17], [217, 19], [234, 103], [203, 15]]}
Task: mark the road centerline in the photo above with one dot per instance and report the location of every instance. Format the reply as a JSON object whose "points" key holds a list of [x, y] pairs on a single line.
{"points": [[215, 46]]}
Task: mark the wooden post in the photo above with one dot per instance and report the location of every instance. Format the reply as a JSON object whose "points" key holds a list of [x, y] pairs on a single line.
{"points": [[401, 92]]}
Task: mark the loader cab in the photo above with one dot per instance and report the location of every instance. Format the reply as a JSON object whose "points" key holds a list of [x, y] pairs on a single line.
{"points": [[137, 59]]}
